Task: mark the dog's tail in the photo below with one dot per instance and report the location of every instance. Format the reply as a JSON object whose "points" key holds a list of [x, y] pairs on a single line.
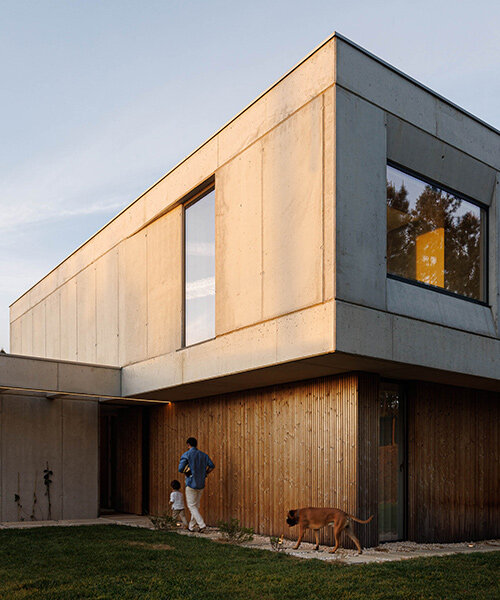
{"points": [[359, 520]]}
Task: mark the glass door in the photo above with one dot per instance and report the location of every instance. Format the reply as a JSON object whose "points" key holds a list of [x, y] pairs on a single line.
{"points": [[392, 463]]}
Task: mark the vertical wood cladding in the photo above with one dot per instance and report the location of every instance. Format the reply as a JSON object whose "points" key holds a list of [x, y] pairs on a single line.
{"points": [[128, 481], [368, 449], [454, 468], [275, 448]]}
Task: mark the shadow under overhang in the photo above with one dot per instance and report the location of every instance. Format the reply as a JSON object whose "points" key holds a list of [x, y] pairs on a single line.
{"points": [[319, 366], [58, 395]]}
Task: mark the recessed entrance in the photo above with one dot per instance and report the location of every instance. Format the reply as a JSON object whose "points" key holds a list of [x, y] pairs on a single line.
{"points": [[392, 463], [123, 456]]}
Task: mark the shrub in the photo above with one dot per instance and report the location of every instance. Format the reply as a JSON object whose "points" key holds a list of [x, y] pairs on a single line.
{"points": [[276, 543], [232, 531], [163, 522]]}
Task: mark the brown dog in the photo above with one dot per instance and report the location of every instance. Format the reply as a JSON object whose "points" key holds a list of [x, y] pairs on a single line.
{"points": [[316, 518]]}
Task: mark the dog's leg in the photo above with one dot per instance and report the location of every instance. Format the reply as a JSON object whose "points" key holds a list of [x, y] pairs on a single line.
{"points": [[337, 531], [316, 535], [350, 533], [301, 535]]}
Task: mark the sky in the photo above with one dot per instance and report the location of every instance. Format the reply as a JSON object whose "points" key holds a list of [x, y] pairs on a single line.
{"points": [[100, 98]]}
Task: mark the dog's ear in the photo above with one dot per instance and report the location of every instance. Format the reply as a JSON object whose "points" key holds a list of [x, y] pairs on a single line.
{"points": [[291, 513]]}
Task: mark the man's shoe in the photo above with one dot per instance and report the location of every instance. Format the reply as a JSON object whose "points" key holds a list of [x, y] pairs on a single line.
{"points": [[202, 530]]}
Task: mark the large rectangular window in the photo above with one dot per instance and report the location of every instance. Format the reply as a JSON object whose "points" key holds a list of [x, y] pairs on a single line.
{"points": [[435, 236], [199, 269]]}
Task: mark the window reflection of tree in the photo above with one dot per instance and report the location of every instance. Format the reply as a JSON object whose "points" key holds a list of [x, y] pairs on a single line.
{"points": [[434, 209]]}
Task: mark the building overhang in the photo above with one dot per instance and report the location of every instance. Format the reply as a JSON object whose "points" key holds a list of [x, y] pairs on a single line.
{"points": [[334, 363], [56, 379]]}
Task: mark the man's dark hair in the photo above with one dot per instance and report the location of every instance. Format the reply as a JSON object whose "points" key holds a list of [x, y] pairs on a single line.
{"points": [[175, 485], [192, 442]]}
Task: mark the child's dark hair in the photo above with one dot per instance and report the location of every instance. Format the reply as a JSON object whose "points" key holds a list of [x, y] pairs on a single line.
{"points": [[175, 484]]}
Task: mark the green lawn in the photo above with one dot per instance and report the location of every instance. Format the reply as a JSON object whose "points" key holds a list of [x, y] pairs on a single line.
{"points": [[122, 562]]}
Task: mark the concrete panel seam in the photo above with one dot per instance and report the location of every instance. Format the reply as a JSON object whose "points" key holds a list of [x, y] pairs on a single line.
{"points": [[172, 206], [426, 131], [227, 333], [404, 316]]}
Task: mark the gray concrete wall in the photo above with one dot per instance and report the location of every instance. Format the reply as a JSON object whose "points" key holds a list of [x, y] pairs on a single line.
{"points": [[382, 115], [61, 433]]}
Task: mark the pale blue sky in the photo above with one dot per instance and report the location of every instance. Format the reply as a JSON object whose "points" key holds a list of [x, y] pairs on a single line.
{"points": [[99, 98]]}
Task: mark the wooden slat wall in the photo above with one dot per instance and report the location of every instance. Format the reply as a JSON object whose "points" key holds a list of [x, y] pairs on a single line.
{"points": [[454, 468], [128, 477], [368, 449], [275, 448]]}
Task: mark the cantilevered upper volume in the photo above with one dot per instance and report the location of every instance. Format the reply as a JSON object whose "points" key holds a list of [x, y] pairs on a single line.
{"points": [[268, 254]]}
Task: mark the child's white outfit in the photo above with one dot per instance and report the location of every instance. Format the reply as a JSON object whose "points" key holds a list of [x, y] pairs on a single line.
{"points": [[177, 502]]}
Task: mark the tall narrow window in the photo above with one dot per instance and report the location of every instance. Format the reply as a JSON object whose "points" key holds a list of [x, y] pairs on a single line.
{"points": [[434, 236], [199, 284]]}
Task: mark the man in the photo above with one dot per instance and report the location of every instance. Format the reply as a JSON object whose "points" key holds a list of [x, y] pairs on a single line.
{"points": [[196, 465]]}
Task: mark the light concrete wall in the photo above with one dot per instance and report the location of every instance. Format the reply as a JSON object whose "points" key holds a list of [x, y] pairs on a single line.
{"points": [[118, 299], [63, 434]]}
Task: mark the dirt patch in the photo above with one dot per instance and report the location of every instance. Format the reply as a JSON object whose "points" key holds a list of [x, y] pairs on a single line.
{"points": [[150, 546]]}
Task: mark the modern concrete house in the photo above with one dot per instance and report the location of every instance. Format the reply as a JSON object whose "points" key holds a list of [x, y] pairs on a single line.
{"points": [[313, 294]]}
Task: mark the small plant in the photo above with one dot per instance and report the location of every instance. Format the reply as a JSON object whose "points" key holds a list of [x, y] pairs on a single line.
{"points": [[47, 481], [163, 522], [276, 542], [232, 531]]}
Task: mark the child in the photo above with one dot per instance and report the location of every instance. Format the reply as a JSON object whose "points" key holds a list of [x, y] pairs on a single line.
{"points": [[177, 502]]}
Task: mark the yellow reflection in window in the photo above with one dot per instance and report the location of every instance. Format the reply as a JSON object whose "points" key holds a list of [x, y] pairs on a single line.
{"points": [[430, 257]]}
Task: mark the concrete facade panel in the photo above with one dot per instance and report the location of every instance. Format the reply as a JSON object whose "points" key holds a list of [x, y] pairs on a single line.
{"points": [[28, 373], [415, 342], [160, 372], [80, 465], [69, 346], [16, 336], [292, 213], [238, 242], [53, 325], [241, 133], [423, 153], [38, 312], [463, 132], [305, 333], [360, 201], [382, 86], [19, 307], [133, 299], [428, 305], [363, 331], [164, 280], [37, 421], [328, 194], [307, 81], [44, 288], [106, 314], [27, 333], [88, 379], [198, 167], [86, 312], [58, 434]]}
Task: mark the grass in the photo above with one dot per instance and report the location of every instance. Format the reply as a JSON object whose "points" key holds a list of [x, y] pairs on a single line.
{"points": [[104, 562]]}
